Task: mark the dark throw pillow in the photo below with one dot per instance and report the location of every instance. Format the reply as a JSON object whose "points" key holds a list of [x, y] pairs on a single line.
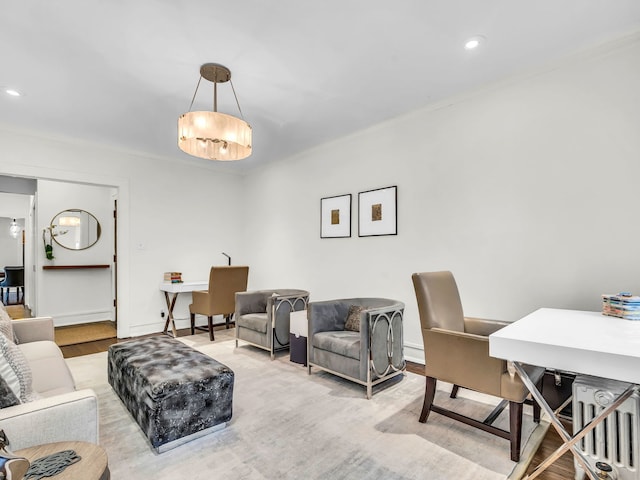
{"points": [[353, 318], [7, 397]]}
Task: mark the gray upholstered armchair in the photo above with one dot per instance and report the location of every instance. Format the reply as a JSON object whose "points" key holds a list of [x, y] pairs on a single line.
{"points": [[262, 317], [369, 356]]}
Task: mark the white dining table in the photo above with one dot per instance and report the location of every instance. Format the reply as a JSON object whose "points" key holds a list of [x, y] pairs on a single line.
{"points": [[576, 341]]}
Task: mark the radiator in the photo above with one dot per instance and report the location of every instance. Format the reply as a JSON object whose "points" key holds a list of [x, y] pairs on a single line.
{"points": [[615, 440]]}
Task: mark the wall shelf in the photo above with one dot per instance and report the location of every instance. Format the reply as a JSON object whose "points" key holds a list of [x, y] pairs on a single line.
{"points": [[72, 267]]}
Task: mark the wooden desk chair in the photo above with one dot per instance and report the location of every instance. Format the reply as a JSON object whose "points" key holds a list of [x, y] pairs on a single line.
{"points": [[220, 298], [456, 350]]}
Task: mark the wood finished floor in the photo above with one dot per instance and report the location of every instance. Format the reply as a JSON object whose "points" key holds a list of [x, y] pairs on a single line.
{"points": [[562, 469]]}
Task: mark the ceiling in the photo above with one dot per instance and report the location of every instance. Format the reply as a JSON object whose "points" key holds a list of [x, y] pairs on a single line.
{"points": [[121, 72]]}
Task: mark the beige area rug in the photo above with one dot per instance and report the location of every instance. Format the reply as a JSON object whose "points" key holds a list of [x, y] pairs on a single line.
{"points": [[88, 332], [288, 425]]}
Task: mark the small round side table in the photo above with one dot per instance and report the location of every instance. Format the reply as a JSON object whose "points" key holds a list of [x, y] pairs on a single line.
{"points": [[92, 466]]}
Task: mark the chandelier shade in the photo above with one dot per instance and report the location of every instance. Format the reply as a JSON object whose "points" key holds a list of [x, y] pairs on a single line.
{"points": [[214, 135]]}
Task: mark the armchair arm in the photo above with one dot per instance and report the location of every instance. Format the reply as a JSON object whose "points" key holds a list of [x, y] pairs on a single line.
{"points": [[463, 359], [199, 302], [70, 416], [279, 308], [483, 326], [384, 336], [33, 329], [284, 304]]}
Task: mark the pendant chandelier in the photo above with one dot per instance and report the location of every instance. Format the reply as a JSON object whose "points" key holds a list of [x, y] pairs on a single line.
{"points": [[214, 135]]}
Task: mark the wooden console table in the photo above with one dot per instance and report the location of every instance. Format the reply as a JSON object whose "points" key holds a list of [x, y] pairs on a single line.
{"points": [[72, 267]]}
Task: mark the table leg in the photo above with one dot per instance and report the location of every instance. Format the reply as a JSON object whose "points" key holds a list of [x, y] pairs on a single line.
{"points": [[569, 441], [171, 302]]}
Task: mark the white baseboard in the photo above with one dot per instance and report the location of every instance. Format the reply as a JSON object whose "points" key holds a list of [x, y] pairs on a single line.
{"points": [[63, 320], [414, 352]]}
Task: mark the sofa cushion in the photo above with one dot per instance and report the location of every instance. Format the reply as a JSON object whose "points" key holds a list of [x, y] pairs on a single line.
{"points": [[15, 369], [50, 373], [7, 397], [353, 318], [253, 321], [6, 325], [345, 343]]}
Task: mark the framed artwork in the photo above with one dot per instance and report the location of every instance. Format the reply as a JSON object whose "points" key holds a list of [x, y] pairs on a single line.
{"points": [[378, 212], [335, 216]]}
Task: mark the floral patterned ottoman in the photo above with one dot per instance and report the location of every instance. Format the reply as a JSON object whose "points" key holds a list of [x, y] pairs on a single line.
{"points": [[174, 392]]}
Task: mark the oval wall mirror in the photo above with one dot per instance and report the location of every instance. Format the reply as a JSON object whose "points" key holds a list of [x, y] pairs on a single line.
{"points": [[75, 229]]}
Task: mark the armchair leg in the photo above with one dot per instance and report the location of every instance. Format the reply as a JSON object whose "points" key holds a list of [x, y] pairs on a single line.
{"points": [[210, 321], [536, 411], [515, 429], [429, 394], [193, 323]]}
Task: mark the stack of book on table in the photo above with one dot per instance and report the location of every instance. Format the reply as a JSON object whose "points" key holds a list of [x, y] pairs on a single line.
{"points": [[623, 305], [172, 277]]}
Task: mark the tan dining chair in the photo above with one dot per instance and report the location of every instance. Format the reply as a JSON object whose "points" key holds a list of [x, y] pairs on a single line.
{"points": [[220, 298], [456, 350]]}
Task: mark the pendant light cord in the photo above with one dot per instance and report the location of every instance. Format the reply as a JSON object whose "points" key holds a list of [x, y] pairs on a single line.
{"points": [[237, 102], [194, 93], [215, 109]]}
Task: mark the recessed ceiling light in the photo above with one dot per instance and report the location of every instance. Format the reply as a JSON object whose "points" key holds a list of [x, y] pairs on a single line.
{"points": [[12, 92], [474, 42]]}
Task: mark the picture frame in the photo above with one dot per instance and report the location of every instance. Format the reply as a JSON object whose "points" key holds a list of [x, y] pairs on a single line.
{"points": [[378, 212], [335, 216]]}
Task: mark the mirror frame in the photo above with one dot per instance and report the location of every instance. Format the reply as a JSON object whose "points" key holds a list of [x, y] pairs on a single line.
{"points": [[76, 210]]}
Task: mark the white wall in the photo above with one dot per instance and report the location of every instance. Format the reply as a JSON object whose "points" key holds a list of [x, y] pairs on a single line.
{"points": [[172, 216], [526, 190]]}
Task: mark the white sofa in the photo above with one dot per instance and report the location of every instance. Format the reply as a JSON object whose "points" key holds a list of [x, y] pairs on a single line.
{"points": [[61, 413]]}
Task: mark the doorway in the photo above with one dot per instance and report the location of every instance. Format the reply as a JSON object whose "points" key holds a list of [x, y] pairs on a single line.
{"points": [[69, 286], [14, 214], [75, 273]]}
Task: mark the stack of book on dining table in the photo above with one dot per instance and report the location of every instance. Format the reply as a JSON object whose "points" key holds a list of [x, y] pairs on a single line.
{"points": [[623, 305]]}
